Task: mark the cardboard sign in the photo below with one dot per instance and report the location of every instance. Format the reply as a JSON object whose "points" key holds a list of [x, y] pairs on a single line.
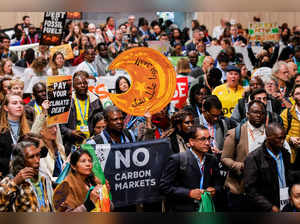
{"points": [[264, 32], [53, 25], [153, 81], [59, 93], [133, 170], [181, 92], [161, 46], [65, 49]]}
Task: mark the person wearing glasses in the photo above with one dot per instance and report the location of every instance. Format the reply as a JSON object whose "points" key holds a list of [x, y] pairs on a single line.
{"points": [[213, 119], [239, 142], [187, 175]]}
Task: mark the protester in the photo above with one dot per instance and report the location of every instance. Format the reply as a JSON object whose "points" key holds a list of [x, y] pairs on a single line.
{"points": [[13, 124], [16, 87], [6, 67], [80, 189], [88, 65], [114, 133], [230, 92], [122, 85], [291, 123], [267, 172], [57, 65], [28, 189], [102, 60], [4, 87], [238, 144], [184, 184], [293, 205], [84, 105], [98, 124]]}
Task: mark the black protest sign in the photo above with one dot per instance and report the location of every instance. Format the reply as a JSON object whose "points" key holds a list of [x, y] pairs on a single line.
{"points": [[53, 27], [59, 92], [133, 170]]}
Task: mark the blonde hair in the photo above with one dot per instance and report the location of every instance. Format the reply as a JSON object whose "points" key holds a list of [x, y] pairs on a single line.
{"points": [[183, 66], [39, 63], [4, 125], [2, 64], [14, 82]]}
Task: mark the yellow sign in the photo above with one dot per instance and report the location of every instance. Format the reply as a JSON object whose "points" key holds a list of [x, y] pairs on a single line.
{"points": [[65, 49], [153, 81]]}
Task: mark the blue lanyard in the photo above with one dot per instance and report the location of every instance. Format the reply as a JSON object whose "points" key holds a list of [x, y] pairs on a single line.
{"points": [[8, 55], [232, 39], [131, 121], [198, 111], [92, 70], [281, 165], [201, 167], [59, 161], [85, 106], [111, 141], [41, 201], [160, 131]]}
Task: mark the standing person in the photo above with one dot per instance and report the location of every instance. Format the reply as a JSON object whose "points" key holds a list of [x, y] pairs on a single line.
{"points": [[197, 94], [184, 184], [110, 28], [34, 74], [57, 65], [28, 189], [102, 60], [84, 105], [5, 42], [4, 85], [191, 45], [122, 85], [193, 59], [6, 68], [267, 172], [291, 121], [114, 133], [230, 92], [236, 39], [26, 23], [218, 30], [13, 124], [238, 144], [118, 46], [39, 93], [98, 124], [89, 64], [80, 189]]}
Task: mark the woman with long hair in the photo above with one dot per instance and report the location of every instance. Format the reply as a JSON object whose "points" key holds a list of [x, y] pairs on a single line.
{"points": [[122, 85], [57, 65], [6, 67], [13, 124], [79, 192], [4, 87]]}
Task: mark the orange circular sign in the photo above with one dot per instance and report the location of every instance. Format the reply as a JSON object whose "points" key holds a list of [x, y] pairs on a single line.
{"points": [[153, 81]]}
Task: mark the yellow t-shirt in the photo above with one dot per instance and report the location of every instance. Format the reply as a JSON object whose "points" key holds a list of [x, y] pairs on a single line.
{"points": [[229, 97], [82, 123]]}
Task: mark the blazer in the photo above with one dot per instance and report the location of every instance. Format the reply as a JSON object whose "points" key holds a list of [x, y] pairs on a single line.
{"points": [[235, 153], [176, 183]]}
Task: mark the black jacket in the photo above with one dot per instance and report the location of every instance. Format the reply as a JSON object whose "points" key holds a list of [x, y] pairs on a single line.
{"points": [[176, 183], [95, 106], [261, 178], [5, 152]]}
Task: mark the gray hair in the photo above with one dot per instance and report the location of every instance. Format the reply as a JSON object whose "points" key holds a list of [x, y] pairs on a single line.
{"points": [[277, 66], [17, 162]]}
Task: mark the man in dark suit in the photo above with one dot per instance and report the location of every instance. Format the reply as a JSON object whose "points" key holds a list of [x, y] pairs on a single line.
{"points": [[187, 175]]}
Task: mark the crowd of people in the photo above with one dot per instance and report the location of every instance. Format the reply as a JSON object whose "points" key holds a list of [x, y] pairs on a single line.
{"points": [[237, 137]]}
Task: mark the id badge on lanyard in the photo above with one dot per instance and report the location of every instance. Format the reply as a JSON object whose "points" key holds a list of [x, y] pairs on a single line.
{"points": [[284, 197]]}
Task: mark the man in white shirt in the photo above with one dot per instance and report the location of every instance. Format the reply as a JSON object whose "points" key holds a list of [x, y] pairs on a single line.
{"points": [[218, 30], [89, 65], [238, 144]]}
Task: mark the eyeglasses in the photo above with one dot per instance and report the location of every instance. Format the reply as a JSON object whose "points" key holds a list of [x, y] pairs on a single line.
{"points": [[203, 139]]}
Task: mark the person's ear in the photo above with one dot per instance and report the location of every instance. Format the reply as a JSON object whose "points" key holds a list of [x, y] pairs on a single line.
{"points": [[191, 142]]}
